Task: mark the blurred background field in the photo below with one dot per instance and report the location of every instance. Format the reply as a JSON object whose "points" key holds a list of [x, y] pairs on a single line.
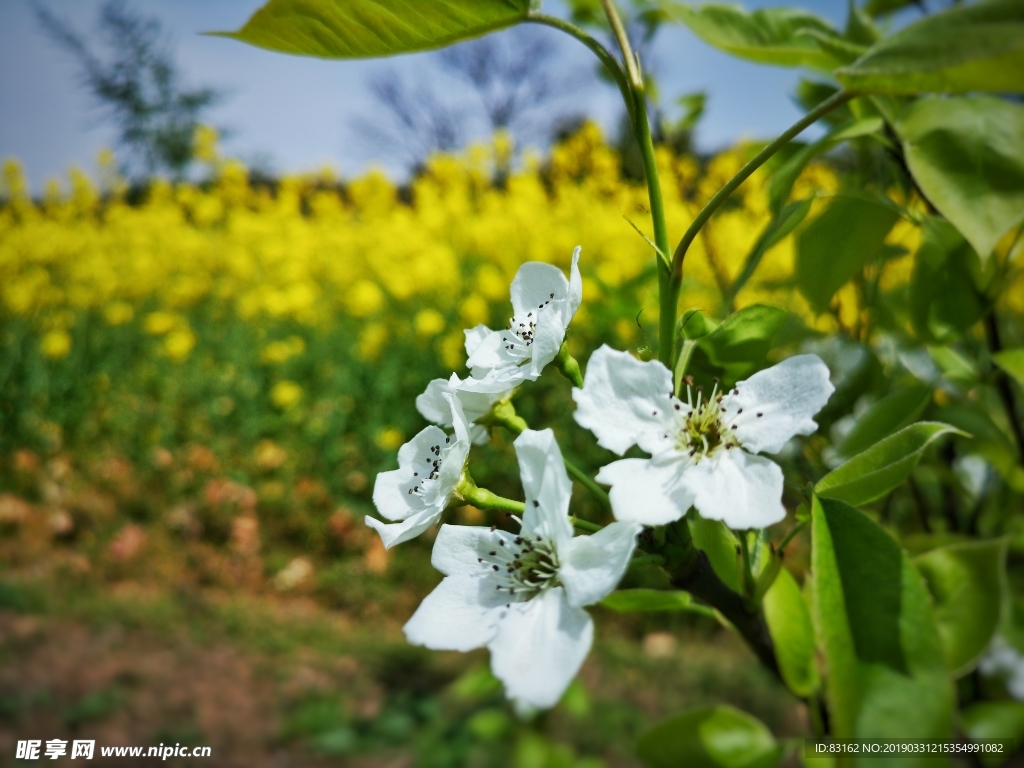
{"points": [[200, 381]]}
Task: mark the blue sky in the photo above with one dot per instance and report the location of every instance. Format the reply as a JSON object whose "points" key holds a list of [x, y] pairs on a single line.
{"points": [[297, 113]]}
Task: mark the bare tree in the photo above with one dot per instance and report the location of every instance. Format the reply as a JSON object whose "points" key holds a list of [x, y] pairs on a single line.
{"points": [[138, 82], [511, 86]]}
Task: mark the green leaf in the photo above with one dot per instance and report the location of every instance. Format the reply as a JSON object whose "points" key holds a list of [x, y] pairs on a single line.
{"points": [[1011, 361], [891, 413], [838, 244], [716, 541], [652, 600], [767, 36], [966, 582], [882, 7], [873, 473], [789, 622], [740, 345], [977, 47], [886, 674], [994, 720], [943, 300], [835, 45], [711, 737], [956, 367], [967, 155], [360, 29]]}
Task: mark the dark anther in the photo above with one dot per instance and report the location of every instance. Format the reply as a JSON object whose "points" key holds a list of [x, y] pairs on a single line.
{"points": [[536, 503], [760, 415], [495, 567]]}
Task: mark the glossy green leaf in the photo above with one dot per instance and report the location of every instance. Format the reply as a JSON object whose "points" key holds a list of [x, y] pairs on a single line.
{"points": [[836, 46], [711, 737], [789, 622], [966, 582], [943, 300], [967, 155], [1011, 361], [882, 7], [651, 600], [359, 29], [976, 47], [875, 628], [767, 36], [716, 541], [956, 367], [891, 413], [838, 244], [740, 345], [873, 473], [994, 720]]}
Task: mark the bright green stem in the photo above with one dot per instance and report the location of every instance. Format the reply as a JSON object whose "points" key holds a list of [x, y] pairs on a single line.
{"points": [[568, 366], [789, 536], [588, 482], [602, 53], [837, 99], [484, 499], [667, 302], [504, 414], [584, 525], [639, 560]]}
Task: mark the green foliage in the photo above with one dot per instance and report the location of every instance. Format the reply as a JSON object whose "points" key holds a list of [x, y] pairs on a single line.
{"points": [[875, 472], [967, 155], [966, 583], [714, 737], [789, 621], [839, 243], [976, 47], [358, 29], [1011, 361], [768, 36], [651, 600], [893, 412], [944, 300], [719, 544], [994, 720], [875, 627]]}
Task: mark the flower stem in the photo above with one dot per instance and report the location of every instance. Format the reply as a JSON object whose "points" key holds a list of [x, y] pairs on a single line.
{"points": [[646, 560], [588, 482], [485, 499], [584, 525], [568, 366], [789, 536], [837, 99], [602, 53]]}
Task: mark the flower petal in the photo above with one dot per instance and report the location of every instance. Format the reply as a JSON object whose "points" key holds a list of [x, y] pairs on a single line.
{"points": [[624, 401], [462, 613], [740, 489], [457, 548], [391, 497], [533, 286], [548, 335], [786, 396], [575, 283], [647, 491], [545, 483], [539, 647], [434, 408], [474, 336], [409, 528], [592, 566], [490, 353]]}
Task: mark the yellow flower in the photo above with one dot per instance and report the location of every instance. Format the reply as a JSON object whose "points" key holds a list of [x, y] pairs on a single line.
{"points": [[159, 323], [179, 344], [428, 322], [475, 310], [118, 312], [365, 298], [56, 344], [285, 394], [389, 439], [281, 351]]}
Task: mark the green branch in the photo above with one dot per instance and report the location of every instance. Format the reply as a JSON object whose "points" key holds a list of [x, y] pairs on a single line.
{"points": [[836, 100]]}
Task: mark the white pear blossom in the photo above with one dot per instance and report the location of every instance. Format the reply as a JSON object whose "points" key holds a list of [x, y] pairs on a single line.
{"points": [[543, 303], [434, 408], [1002, 659], [429, 470], [703, 449], [523, 596]]}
